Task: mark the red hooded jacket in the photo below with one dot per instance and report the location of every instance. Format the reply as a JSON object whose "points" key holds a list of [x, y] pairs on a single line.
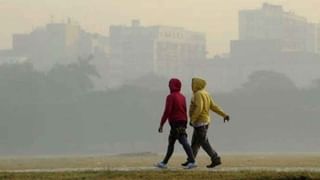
{"points": [[175, 109]]}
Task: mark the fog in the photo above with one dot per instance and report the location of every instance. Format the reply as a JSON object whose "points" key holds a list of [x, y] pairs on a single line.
{"points": [[218, 19], [95, 82]]}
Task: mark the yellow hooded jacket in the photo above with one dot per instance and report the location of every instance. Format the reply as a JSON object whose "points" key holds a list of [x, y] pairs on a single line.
{"points": [[201, 103]]}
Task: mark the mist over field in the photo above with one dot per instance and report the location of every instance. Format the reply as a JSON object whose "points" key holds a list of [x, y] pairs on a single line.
{"points": [[67, 88], [57, 113]]}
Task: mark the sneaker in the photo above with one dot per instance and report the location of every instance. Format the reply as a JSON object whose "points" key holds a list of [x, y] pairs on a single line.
{"points": [[214, 163], [191, 165], [161, 165], [185, 163]]}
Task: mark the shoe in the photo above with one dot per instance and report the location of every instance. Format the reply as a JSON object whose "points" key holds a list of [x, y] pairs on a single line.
{"points": [[191, 165], [185, 163], [161, 165], [214, 163]]}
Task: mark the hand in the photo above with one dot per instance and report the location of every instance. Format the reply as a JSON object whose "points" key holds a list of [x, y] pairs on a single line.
{"points": [[227, 118], [160, 130]]}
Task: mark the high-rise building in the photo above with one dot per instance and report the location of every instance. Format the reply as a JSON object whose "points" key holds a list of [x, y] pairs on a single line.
{"points": [[57, 43], [52, 39], [292, 33], [137, 50]]}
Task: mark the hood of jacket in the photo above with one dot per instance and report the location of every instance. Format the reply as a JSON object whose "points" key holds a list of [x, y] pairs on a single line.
{"points": [[174, 85], [198, 84]]}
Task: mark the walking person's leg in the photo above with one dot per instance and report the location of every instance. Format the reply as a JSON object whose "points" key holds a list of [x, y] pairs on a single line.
{"points": [[205, 144], [170, 149], [195, 142], [209, 150], [187, 148], [171, 141], [195, 145], [183, 140]]}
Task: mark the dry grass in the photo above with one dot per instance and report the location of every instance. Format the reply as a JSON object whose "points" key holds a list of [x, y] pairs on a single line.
{"points": [[147, 160], [168, 175]]}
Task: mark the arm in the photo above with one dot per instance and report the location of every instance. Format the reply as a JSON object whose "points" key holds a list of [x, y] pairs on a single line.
{"points": [[197, 109], [215, 108], [167, 110]]}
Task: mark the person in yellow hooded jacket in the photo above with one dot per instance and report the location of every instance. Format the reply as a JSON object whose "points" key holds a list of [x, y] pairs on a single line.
{"points": [[201, 104]]}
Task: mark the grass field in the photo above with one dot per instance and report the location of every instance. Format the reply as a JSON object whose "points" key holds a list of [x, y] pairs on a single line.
{"points": [[281, 166], [148, 159], [167, 175]]}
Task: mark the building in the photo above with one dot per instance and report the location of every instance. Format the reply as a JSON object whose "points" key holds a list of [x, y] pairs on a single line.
{"points": [[178, 50], [288, 31], [54, 38], [137, 50], [8, 57], [61, 43]]}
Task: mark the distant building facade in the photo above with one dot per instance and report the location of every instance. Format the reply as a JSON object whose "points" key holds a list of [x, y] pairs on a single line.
{"points": [[137, 50], [57, 43], [274, 29]]}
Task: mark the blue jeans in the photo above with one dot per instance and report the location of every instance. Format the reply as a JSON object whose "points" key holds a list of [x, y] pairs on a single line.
{"points": [[178, 133]]}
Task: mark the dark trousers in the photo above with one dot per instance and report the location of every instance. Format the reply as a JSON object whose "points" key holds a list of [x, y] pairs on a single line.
{"points": [[200, 139], [178, 133]]}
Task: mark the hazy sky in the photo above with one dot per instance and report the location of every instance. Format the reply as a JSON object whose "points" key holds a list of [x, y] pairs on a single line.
{"points": [[216, 18]]}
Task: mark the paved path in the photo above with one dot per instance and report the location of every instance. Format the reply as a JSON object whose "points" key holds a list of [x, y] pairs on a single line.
{"points": [[128, 169]]}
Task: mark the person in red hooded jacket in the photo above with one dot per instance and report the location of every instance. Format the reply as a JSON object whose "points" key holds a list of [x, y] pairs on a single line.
{"points": [[176, 113]]}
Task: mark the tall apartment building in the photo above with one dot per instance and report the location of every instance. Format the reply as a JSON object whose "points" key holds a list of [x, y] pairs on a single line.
{"points": [[283, 30], [137, 50], [53, 38], [57, 43]]}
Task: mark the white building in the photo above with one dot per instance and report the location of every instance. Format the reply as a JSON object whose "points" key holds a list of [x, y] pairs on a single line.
{"points": [[293, 33], [137, 50]]}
